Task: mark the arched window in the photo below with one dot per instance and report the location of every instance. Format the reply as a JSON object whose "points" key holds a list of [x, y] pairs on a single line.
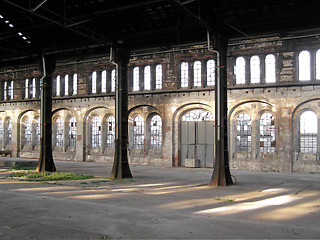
{"points": [[197, 115], [75, 84], [184, 74], [33, 88], [270, 63], [113, 80], [8, 133], [38, 131], [159, 76], [104, 81], [308, 132], [66, 85], [197, 74], [1, 133], [26, 88], [59, 132], [156, 132], [304, 66], [5, 90], [10, 90], [138, 133], [72, 132], [136, 82], [110, 132], [27, 132], [267, 133], [94, 82], [96, 132], [243, 133], [240, 70], [58, 83], [318, 65], [147, 78], [255, 69], [211, 77]]}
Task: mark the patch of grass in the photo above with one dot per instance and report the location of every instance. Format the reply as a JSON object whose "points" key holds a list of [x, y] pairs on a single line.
{"points": [[224, 199], [47, 176], [229, 200], [18, 167], [100, 181]]}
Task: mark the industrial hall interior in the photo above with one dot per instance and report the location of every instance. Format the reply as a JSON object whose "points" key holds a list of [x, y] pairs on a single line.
{"points": [[189, 83]]}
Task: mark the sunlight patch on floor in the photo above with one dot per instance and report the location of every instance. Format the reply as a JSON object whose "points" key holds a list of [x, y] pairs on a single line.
{"points": [[249, 206]]}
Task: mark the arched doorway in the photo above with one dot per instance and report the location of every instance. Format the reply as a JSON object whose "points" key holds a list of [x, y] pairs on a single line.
{"points": [[197, 137]]}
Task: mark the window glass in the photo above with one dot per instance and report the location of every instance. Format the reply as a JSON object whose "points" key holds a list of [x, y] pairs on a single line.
{"points": [[59, 132], [96, 132], [94, 82], [37, 143], [255, 69], [184, 74], [156, 132], [308, 132], [66, 85], [104, 81], [136, 81], [267, 133], [240, 70], [110, 132], [147, 78], [58, 86], [270, 63], [197, 74], [9, 132], [1, 132], [211, 77], [243, 133], [197, 115], [26, 88], [75, 84], [138, 133], [318, 65], [72, 132], [5, 90], [304, 66], [159, 76], [27, 131], [113, 80]]}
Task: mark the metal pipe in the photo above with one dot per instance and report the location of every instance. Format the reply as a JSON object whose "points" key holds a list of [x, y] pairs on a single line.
{"points": [[217, 89], [39, 5]]}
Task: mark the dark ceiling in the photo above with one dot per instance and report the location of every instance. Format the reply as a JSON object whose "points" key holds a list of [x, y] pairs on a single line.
{"points": [[65, 28]]}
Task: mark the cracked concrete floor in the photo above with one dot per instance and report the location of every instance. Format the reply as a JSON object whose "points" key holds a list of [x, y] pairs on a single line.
{"points": [[161, 203]]}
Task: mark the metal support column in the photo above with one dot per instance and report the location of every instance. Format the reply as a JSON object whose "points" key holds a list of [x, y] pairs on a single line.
{"points": [[221, 174], [46, 159], [120, 167]]}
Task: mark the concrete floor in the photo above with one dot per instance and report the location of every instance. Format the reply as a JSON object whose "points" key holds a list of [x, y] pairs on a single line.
{"points": [[161, 203]]}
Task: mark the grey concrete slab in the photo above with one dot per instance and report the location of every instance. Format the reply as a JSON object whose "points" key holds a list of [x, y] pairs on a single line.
{"points": [[161, 203]]}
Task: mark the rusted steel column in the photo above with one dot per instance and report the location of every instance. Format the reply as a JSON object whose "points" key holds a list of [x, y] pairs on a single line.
{"points": [[46, 160], [120, 167], [221, 174]]}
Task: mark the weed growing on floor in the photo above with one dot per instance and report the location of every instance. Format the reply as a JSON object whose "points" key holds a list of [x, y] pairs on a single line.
{"points": [[224, 199], [47, 176]]}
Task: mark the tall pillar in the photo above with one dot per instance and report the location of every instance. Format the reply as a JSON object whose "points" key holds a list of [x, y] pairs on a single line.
{"points": [[46, 159], [221, 174], [120, 167]]}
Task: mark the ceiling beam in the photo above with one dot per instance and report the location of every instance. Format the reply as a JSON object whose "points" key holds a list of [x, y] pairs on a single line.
{"points": [[194, 17], [96, 39]]}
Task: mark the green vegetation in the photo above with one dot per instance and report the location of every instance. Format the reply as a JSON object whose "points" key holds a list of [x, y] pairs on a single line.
{"points": [[225, 199], [18, 167], [47, 176]]}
